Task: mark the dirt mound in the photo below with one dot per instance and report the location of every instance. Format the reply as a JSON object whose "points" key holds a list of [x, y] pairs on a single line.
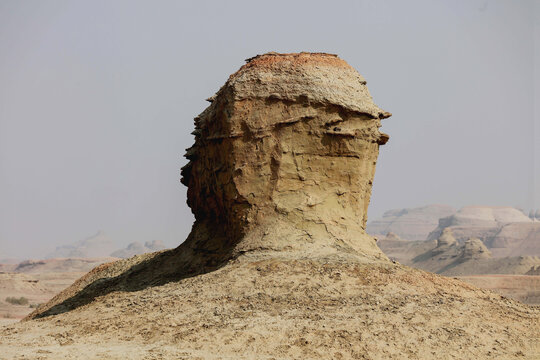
{"points": [[278, 264], [287, 308]]}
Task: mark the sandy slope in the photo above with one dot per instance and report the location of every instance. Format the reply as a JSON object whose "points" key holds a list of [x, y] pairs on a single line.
{"points": [[278, 307]]}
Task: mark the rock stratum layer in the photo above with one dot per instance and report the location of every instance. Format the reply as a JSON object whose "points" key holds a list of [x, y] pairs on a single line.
{"points": [[278, 264]]}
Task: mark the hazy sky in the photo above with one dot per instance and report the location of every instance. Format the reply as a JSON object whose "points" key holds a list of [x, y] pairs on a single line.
{"points": [[97, 100]]}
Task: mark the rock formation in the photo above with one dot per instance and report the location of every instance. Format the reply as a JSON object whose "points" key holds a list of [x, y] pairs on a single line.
{"points": [[516, 239], [96, 246], [446, 240], [534, 215], [401, 250], [504, 230], [482, 222], [284, 158], [474, 249], [136, 248], [392, 237], [410, 224], [278, 264], [447, 256], [534, 270]]}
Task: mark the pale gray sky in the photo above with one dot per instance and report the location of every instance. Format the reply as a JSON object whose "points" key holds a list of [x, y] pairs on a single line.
{"points": [[97, 100]]}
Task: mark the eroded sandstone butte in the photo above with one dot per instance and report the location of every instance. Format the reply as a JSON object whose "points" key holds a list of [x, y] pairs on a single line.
{"points": [[284, 158]]}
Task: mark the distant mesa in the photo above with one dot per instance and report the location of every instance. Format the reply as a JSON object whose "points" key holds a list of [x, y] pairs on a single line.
{"points": [[478, 221], [505, 231], [412, 224], [101, 246], [96, 246], [447, 256], [516, 239], [136, 248], [60, 265], [74, 258]]}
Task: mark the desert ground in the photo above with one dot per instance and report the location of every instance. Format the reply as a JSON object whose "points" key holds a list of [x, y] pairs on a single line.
{"points": [[281, 308], [36, 288], [524, 288], [39, 288]]}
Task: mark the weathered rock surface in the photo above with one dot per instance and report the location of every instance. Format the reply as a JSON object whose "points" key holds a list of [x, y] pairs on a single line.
{"points": [[410, 224], [278, 264], [286, 150]]}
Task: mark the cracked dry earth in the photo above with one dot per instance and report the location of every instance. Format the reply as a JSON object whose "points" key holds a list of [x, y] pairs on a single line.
{"points": [[272, 308]]}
